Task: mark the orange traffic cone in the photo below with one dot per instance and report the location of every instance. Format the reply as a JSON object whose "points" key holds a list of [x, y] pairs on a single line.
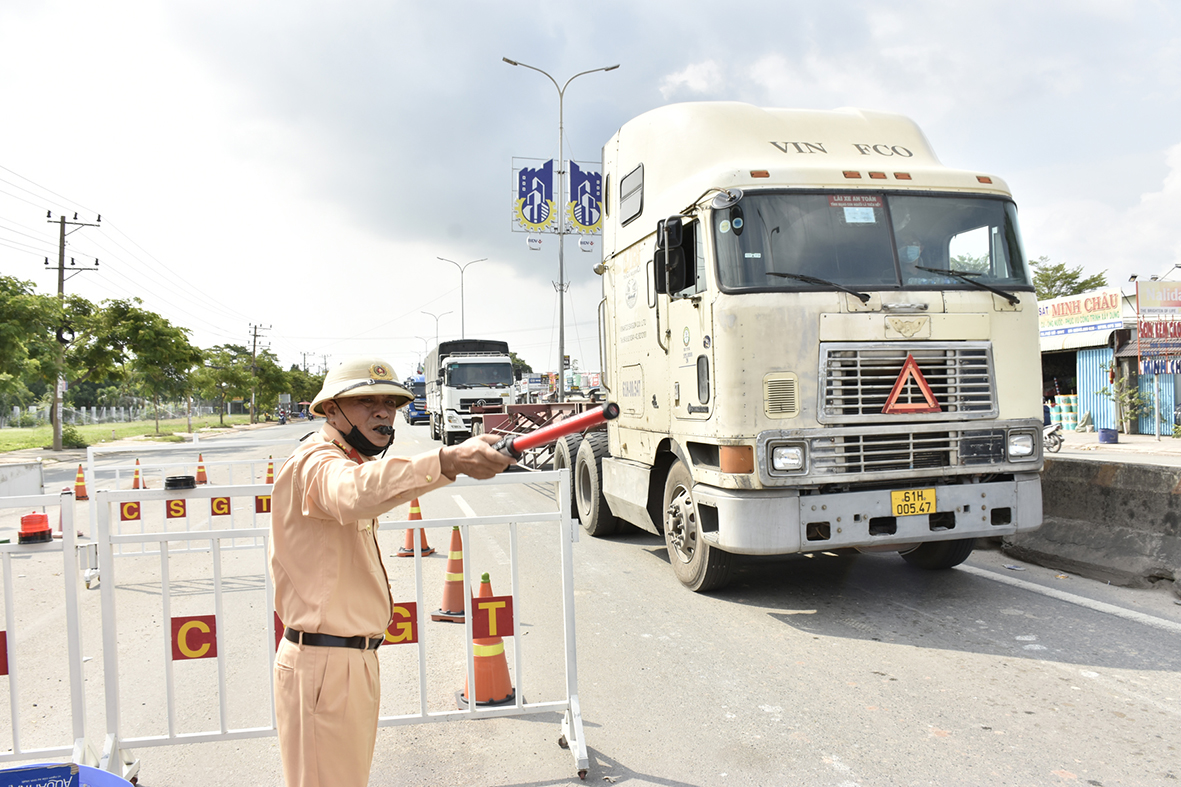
{"points": [[453, 608], [270, 471], [201, 477], [407, 549], [80, 485], [135, 482], [493, 684]]}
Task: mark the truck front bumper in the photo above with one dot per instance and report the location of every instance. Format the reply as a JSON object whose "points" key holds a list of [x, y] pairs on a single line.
{"points": [[782, 521]]}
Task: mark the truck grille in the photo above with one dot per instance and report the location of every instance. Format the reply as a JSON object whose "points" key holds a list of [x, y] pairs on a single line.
{"points": [[871, 453], [856, 380]]}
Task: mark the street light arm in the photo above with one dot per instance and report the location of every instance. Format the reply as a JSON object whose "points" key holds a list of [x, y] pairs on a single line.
{"points": [[582, 73], [534, 68]]}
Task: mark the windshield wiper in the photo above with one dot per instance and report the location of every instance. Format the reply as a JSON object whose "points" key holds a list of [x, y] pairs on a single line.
{"points": [[967, 276], [823, 282]]}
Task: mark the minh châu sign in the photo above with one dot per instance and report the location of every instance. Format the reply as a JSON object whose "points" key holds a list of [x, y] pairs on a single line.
{"points": [[1098, 310]]}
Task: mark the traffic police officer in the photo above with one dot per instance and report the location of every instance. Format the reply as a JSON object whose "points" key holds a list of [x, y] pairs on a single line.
{"points": [[331, 588]]}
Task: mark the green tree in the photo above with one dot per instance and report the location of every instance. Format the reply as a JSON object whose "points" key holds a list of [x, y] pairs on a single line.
{"points": [[226, 373], [26, 331], [519, 366], [302, 386], [164, 358], [1054, 279], [269, 381]]}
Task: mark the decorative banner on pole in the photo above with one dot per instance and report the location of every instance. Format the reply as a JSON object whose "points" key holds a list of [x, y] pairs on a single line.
{"points": [[585, 207], [534, 207]]}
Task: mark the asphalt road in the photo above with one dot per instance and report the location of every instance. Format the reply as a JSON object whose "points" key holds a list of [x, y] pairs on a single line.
{"points": [[806, 670]]}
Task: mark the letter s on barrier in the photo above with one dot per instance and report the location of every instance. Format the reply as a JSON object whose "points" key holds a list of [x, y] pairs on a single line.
{"points": [[182, 639]]}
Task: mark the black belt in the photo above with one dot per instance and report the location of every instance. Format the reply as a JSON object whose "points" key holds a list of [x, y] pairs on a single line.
{"points": [[329, 641]]}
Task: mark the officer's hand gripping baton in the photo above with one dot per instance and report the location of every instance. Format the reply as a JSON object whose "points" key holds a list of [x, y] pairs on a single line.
{"points": [[515, 445]]}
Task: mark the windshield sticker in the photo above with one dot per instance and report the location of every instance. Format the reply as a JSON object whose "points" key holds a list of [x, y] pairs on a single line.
{"points": [[859, 216], [855, 200], [757, 255], [724, 227], [737, 223]]}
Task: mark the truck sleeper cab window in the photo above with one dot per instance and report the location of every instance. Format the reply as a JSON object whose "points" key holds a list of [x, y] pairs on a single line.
{"points": [[631, 196], [868, 240]]}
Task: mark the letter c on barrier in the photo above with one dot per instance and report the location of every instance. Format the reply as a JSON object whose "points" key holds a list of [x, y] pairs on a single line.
{"points": [[182, 639], [194, 637]]}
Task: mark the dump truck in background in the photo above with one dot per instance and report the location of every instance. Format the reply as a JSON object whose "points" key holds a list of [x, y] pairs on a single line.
{"points": [[820, 339], [462, 374]]}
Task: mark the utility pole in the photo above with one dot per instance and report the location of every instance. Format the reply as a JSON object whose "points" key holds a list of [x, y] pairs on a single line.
{"points": [[59, 389], [254, 329], [305, 362]]}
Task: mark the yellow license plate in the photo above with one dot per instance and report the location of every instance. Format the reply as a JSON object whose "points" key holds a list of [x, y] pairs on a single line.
{"points": [[911, 502]]}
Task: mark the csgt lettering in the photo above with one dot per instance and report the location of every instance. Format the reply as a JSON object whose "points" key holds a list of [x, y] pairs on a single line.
{"points": [[882, 150]]}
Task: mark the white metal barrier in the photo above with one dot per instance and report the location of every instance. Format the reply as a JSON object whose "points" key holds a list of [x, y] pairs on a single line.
{"points": [[211, 641], [13, 660]]}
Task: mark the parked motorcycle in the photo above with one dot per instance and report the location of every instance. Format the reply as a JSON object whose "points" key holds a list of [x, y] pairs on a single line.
{"points": [[1052, 437]]}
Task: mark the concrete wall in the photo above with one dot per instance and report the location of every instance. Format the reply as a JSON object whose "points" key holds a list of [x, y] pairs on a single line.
{"points": [[1108, 520]]}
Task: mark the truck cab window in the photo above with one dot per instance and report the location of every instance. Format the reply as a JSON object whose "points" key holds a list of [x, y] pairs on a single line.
{"points": [[694, 260]]}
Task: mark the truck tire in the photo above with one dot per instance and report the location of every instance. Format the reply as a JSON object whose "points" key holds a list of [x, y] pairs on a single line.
{"points": [[938, 555], [697, 565], [593, 511], [565, 452]]}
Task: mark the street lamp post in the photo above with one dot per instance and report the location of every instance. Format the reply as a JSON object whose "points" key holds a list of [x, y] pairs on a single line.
{"points": [[561, 215], [462, 268], [436, 316]]}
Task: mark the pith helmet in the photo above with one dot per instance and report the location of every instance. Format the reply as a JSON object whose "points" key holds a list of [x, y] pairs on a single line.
{"points": [[362, 377]]}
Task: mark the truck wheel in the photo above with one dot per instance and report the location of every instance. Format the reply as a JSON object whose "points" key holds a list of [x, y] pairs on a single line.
{"points": [[434, 429], [565, 452], [593, 511], [937, 555], [697, 565]]}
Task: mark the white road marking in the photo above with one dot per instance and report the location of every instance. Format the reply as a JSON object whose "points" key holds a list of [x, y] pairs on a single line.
{"points": [[497, 553], [1070, 598]]}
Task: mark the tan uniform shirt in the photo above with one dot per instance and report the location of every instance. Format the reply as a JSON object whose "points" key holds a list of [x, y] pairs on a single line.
{"points": [[325, 561]]}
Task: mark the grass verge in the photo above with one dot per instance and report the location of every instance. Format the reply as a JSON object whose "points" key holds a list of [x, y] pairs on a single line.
{"points": [[93, 434]]}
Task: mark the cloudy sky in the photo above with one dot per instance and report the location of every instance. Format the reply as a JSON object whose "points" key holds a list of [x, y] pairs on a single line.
{"points": [[301, 166]]}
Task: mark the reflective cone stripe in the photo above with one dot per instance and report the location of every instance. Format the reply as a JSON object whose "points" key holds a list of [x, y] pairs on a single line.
{"points": [[201, 477], [135, 482], [454, 604], [80, 485], [493, 684], [484, 651], [407, 549]]}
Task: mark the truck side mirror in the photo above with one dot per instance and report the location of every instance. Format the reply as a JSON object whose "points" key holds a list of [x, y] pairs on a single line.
{"points": [[670, 270], [668, 232], [670, 258]]}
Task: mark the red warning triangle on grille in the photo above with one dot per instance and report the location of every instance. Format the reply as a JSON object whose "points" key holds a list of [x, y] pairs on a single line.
{"points": [[910, 369]]}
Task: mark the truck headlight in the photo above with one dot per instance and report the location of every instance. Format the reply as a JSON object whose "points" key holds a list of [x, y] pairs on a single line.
{"points": [[1021, 445], [785, 458], [455, 421]]}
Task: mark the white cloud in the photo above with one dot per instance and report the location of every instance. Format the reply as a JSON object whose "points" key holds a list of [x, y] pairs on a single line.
{"points": [[698, 78], [1144, 238]]}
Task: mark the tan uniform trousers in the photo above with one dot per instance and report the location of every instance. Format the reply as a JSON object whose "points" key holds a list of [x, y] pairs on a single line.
{"points": [[326, 704]]}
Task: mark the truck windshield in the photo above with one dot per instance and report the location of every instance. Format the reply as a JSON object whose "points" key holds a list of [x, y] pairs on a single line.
{"points": [[418, 389], [479, 375], [869, 241]]}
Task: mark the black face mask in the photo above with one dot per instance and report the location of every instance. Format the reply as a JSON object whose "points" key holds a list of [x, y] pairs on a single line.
{"points": [[362, 443]]}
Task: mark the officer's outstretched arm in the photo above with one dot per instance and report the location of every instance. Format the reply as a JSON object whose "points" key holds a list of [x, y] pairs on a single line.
{"points": [[473, 457]]}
